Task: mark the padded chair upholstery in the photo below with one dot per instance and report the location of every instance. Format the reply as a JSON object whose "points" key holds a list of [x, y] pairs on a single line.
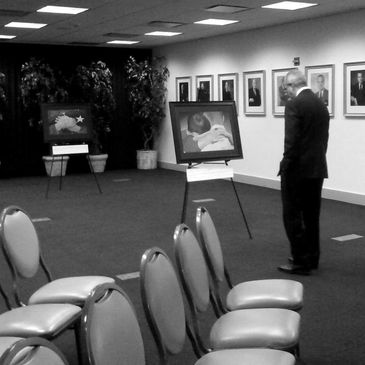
{"points": [[111, 328], [33, 351], [21, 245], [158, 282], [263, 327], [45, 320], [270, 293]]}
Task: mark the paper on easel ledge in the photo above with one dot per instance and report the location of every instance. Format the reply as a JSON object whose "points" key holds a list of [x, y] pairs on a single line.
{"points": [[206, 172], [71, 149]]}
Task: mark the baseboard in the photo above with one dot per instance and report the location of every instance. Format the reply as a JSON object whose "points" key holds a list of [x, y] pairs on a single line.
{"points": [[339, 195]]}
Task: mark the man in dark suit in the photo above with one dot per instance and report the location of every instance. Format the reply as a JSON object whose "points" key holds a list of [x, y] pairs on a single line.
{"points": [[303, 169], [254, 97], [322, 92], [358, 91]]}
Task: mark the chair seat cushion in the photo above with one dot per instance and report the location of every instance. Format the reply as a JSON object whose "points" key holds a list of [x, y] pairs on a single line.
{"points": [[263, 327], [38, 320], [6, 342], [73, 290], [247, 356], [270, 293]]}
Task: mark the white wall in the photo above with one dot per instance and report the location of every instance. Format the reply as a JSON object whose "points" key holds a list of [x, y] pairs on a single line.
{"points": [[333, 40]]}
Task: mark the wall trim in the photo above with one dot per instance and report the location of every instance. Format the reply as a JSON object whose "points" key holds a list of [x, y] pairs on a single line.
{"points": [[339, 195]]}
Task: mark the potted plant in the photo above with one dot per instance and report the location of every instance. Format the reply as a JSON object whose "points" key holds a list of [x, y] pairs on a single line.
{"points": [[39, 84], [146, 86], [93, 84]]}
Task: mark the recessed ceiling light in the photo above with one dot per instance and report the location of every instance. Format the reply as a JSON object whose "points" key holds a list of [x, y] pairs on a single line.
{"points": [[3, 36], [122, 42], [163, 34], [25, 25], [61, 10], [163, 24], [289, 5], [216, 22], [229, 9]]}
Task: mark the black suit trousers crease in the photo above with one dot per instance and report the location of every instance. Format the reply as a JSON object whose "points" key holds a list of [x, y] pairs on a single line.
{"points": [[301, 199]]}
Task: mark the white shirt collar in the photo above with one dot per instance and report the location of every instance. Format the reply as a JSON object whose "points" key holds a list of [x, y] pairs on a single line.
{"points": [[301, 89]]}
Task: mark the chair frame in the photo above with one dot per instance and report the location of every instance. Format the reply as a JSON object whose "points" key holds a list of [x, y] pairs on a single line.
{"points": [[12, 351], [14, 272], [163, 353], [97, 294]]}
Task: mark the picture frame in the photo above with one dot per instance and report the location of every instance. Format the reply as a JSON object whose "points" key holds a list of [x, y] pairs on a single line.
{"points": [[228, 87], [354, 89], [254, 92], [66, 123], [279, 93], [205, 131], [204, 88], [321, 80], [183, 89]]}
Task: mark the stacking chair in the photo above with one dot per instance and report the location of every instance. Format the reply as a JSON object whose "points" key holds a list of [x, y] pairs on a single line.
{"points": [[164, 308], [268, 293], [259, 327], [32, 351], [110, 333], [22, 250]]}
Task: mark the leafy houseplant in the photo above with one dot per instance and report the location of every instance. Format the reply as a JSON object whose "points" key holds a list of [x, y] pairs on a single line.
{"points": [[146, 86], [93, 84]]}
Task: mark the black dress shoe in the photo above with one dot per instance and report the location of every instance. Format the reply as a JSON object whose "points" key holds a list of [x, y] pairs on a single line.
{"points": [[295, 269], [312, 265]]}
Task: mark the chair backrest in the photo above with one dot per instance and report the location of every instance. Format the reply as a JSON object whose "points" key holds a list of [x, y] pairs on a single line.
{"points": [[110, 330], [211, 245], [33, 351], [20, 244], [163, 302]]}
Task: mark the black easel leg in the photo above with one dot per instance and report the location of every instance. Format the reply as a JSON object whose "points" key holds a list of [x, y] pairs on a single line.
{"points": [[49, 177], [243, 214], [92, 170], [183, 214]]}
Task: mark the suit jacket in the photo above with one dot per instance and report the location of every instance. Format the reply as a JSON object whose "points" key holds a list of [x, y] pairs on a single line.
{"points": [[306, 137], [254, 99], [358, 94], [324, 96]]}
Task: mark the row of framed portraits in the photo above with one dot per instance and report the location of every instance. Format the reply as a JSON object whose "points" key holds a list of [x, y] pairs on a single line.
{"points": [[320, 79]]}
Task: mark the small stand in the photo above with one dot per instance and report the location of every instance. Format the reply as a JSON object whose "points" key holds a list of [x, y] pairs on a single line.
{"points": [[210, 173], [63, 150]]}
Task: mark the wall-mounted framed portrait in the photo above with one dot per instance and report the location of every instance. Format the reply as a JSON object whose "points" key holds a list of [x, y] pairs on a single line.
{"points": [[204, 88], [321, 80], [354, 89], [183, 89], [279, 93], [254, 95], [228, 87]]}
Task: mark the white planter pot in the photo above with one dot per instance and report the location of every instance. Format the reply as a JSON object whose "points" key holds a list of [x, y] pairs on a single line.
{"points": [[58, 161], [146, 159], [98, 162]]}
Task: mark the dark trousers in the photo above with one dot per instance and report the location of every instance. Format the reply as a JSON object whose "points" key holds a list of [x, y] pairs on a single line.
{"points": [[301, 198]]}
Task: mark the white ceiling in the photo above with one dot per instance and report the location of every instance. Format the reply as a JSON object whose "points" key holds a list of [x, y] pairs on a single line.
{"points": [[132, 18]]}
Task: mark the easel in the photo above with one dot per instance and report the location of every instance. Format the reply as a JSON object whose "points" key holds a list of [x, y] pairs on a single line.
{"points": [[63, 150], [203, 174]]}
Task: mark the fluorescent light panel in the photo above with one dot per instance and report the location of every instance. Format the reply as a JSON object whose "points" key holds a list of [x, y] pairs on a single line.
{"points": [[289, 5], [3, 36], [25, 25], [163, 34], [61, 10], [216, 22], [116, 41]]}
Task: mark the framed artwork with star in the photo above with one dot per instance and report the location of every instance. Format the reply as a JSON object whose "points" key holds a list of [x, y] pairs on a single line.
{"points": [[66, 123]]}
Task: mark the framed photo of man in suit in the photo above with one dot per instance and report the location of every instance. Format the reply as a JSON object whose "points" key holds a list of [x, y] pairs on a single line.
{"points": [[321, 80], [228, 87], [354, 89], [254, 100], [279, 92], [183, 89], [204, 88]]}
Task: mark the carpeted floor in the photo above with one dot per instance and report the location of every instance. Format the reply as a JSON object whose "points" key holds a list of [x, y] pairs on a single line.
{"points": [[92, 233]]}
